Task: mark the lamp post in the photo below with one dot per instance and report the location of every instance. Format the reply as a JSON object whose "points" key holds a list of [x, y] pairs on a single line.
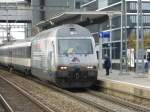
{"points": [[123, 43], [139, 40], [110, 25]]}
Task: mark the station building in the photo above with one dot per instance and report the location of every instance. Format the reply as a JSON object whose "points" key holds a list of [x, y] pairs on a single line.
{"points": [[96, 15], [115, 5]]}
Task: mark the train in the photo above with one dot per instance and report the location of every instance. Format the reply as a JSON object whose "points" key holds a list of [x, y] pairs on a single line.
{"points": [[64, 55]]}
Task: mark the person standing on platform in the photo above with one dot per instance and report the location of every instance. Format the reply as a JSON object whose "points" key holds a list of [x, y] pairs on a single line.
{"points": [[107, 64]]}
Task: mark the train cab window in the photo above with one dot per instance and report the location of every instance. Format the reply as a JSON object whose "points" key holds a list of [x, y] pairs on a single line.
{"points": [[76, 46]]}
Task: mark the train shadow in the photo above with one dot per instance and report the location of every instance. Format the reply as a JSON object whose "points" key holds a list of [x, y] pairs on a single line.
{"points": [[96, 86], [76, 90]]}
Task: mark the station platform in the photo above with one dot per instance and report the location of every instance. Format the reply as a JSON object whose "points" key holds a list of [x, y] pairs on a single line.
{"points": [[130, 83]]}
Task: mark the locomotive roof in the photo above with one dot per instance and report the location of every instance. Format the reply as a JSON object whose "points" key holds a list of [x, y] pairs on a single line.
{"points": [[21, 43], [66, 30]]}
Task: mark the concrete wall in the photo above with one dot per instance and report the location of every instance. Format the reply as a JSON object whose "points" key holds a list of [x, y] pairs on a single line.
{"points": [[15, 12], [35, 11], [51, 8], [55, 7]]}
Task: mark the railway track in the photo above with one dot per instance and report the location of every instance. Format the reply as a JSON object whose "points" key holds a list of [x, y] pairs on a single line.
{"points": [[4, 106], [99, 96], [98, 107], [40, 92], [20, 100], [127, 106], [72, 95], [119, 101]]}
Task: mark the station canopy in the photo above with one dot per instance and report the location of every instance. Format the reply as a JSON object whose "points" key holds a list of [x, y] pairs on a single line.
{"points": [[76, 17]]}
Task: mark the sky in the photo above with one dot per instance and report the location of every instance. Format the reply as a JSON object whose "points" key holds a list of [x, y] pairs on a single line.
{"points": [[16, 33], [10, 0]]}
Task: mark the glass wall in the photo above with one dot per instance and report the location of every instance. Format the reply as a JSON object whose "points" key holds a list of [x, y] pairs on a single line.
{"points": [[132, 20], [110, 2], [115, 5], [116, 22], [102, 4], [115, 50], [132, 7], [132, 38], [116, 35], [105, 3], [132, 23]]}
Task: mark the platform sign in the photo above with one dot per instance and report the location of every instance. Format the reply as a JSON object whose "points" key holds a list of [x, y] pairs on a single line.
{"points": [[104, 34]]}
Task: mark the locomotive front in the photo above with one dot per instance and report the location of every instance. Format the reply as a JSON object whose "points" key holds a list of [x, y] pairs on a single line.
{"points": [[77, 62]]}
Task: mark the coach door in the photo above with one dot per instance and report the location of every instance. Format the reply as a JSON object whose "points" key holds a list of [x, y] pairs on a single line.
{"points": [[50, 56]]}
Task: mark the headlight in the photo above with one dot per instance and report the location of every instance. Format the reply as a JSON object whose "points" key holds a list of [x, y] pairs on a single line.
{"points": [[91, 67], [62, 67]]}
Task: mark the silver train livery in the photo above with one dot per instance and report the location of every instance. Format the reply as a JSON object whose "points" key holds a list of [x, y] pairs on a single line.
{"points": [[64, 55]]}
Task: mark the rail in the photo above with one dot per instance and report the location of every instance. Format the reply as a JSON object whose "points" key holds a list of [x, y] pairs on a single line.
{"points": [[44, 107], [120, 101], [5, 104]]}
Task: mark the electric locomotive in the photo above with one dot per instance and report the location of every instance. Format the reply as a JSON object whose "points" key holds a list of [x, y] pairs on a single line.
{"points": [[64, 55]]}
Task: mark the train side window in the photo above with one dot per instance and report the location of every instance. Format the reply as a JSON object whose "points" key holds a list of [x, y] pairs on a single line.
{"points": [[19, 51], [23, 52], [0, 52], [12, 52], [16, 52], [29, 51]]}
